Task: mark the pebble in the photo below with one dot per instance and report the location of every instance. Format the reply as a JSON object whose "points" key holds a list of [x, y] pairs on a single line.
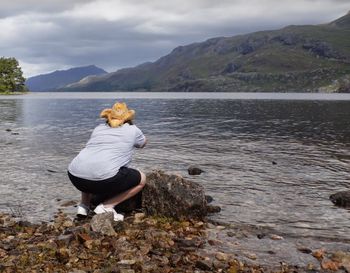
{"points": [[138, 217], [126, 262], [305, 250], [276, 237], [221, 256], [230, 234], [250, 255], [204, 265]]}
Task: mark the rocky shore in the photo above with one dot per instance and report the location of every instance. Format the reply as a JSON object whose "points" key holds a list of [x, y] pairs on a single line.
{"points": [[155, 238], [139, 244]]}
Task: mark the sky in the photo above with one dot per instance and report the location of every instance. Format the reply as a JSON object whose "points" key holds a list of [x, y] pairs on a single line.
{"points": [[49, 35]]}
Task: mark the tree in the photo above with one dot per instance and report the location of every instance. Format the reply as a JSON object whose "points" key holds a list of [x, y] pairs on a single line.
{"points": [[11, 76]]}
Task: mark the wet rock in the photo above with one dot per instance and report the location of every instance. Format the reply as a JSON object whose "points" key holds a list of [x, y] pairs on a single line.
{"points": [[260, 236], [329, 265], [209, 199], [221, 256], [126, 262], [194, 170], [341, 199], [64, 240], [342, 259], [138, 217], [230, 234], [250, 255], [173, 196], [102, 223], [319, 253], [204, 264], [69, 203], [276, 237], [305, 250], [213, 209]]}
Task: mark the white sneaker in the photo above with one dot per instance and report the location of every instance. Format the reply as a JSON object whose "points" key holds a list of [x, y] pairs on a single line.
{"points": [[102, 209], [82, 210]]}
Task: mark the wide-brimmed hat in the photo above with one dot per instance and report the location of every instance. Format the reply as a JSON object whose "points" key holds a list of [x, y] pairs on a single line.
{"points": [[118, 114]]}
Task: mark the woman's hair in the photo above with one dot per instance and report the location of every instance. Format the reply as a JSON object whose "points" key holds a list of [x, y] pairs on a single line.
{"points": [[127, 121]]}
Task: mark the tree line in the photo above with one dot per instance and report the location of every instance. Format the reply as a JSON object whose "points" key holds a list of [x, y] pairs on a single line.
{"points": [[11, 76]]}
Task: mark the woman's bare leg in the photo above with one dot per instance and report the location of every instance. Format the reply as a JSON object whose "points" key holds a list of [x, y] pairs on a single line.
{"points": [[127, 194], [86, 198]]}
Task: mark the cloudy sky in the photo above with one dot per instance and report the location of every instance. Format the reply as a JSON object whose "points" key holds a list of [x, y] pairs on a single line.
{"points": [[46, 35]]}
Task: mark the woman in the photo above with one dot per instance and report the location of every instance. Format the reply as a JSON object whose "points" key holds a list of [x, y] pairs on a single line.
{"points": [[101, 168]]}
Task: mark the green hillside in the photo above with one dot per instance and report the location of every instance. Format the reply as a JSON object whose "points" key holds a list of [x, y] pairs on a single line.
{"points": [[311, 58]]}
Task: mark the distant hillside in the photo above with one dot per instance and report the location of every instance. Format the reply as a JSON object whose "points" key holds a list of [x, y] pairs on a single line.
{"points": [[309, 58], [61, 78]]}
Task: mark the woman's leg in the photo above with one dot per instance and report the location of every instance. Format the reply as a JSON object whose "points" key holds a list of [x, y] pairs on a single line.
{"points": [[121, 197], [86, 199]]}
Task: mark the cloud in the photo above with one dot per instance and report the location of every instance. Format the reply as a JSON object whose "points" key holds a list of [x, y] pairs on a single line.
{"points": [[57, 34]]}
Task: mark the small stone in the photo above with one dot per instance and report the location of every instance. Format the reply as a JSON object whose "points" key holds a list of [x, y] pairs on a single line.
{"points": [[204, 265], [126, 262], [305, 250], [329, 265], [230, 234], [219, 265], [260, 236], [138, 217], [213, 209], [67, 223], [69, 203], [221, 256], [194, 170], [276, 237], [250, 255], [102, 223], [198, 224], [319, 253], [209, 199], [126, 270], [64, 240]]}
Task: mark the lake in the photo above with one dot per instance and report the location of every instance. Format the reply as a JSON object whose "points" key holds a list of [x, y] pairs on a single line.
{"points": [[270, 160]]}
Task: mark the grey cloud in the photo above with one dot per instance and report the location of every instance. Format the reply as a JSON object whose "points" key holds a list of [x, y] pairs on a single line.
{"points": [[50, 34], [16, 7]]}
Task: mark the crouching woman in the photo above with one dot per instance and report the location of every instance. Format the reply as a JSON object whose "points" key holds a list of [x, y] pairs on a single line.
{"points": [[101, 168]]}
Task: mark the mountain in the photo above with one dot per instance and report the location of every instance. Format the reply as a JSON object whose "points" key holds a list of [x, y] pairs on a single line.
{"points": [[305, 58], [61, 78]]}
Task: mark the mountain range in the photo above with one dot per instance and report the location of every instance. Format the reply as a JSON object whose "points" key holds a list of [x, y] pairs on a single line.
{"points": [[61, 78], [297, 58]]}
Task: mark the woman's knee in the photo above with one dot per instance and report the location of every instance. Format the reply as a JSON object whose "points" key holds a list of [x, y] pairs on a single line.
{"points": [[143, 179]]}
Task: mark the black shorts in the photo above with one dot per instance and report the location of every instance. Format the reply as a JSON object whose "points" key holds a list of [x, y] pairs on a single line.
{"points": [[125, 179]]}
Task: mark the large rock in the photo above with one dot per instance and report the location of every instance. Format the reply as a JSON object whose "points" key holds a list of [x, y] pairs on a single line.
{"points": [[102, 223], [341, 199], [173, 196]]}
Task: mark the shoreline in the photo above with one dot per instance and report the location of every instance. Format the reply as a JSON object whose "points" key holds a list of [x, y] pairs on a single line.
{"points": [[145, 244]]}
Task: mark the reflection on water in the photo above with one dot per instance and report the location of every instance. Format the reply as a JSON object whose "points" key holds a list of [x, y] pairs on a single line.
{"points": [[268, 162]]}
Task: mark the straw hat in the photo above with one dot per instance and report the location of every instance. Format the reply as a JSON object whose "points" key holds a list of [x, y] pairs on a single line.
{"points": [[118, 115]]}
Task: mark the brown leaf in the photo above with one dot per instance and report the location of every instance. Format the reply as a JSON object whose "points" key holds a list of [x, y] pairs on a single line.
{"points": [[319, 253], [329, 265]]}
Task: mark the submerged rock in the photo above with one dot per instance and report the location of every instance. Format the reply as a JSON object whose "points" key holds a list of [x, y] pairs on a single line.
{"points": [[194, 170], [341, 199], [173, 196]]}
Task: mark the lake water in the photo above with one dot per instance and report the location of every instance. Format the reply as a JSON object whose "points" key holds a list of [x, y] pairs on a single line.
{"points": [[270, 160]]}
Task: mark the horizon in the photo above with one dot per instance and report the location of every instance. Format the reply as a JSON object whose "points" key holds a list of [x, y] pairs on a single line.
{"points": [[115, 34]]}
